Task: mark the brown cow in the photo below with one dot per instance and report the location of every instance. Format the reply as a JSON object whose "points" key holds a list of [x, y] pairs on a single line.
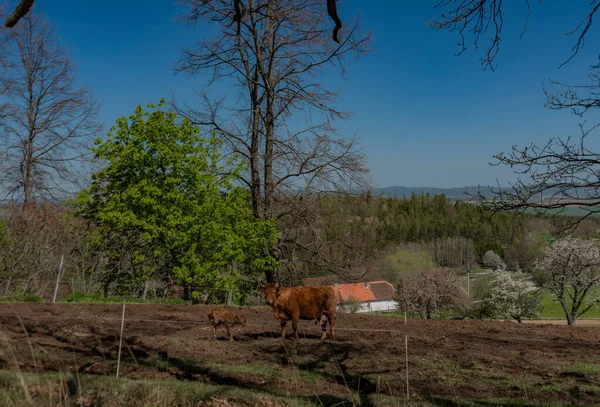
{"points": [[223, 316], [294, 303]]}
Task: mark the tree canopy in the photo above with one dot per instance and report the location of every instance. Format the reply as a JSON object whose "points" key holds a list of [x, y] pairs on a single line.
{"points": [[170, 196]]}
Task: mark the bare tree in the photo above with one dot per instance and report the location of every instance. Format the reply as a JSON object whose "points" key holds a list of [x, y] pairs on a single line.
{"points": [[571, 271], [428, 292], [48, 123], [34, 240], [336, 233], [281, 120]]}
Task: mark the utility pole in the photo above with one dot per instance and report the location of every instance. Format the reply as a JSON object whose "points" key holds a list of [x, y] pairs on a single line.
{"points": [[468, 280]]}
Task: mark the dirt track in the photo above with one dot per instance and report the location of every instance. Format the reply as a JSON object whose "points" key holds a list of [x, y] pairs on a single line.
{"points": [[447, 359]]}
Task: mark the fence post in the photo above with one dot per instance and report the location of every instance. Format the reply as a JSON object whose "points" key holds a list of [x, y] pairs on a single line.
{"points": [[58, 278], [406, 354], [468, 281], [121, 340]]}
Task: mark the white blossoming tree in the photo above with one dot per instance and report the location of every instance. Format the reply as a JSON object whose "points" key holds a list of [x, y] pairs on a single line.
{"points": [[511, 296], [491, 259], [571, 272]]}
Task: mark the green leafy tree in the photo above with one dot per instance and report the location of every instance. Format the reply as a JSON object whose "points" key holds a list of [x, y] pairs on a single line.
{"points": [[170, 196]]}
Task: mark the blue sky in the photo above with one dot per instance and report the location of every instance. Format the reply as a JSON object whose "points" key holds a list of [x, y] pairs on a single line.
{"points": [[424, 116]]}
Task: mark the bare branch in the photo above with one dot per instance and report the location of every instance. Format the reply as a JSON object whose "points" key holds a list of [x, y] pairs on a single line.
{"points": [[477, 17], [20, 11]]}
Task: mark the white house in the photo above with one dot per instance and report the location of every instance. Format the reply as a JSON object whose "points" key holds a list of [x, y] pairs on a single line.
{"points": [[366, 297]]}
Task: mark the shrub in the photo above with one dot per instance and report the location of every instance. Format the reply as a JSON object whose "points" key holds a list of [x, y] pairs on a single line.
{"points": [[352, 305]]}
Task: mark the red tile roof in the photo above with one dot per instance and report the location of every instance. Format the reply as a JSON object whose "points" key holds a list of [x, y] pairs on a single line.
{"points": [[376, 291]]}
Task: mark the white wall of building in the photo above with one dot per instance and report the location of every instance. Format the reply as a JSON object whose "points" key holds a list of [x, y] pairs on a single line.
{"points": [[375, 306], [380, 306]]}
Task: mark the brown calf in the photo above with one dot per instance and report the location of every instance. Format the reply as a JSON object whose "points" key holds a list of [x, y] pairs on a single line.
{"points": [[295, 303], [223, 316]]}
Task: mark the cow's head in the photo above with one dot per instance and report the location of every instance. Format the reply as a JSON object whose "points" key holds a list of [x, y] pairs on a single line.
{"points": [[270, 291]]}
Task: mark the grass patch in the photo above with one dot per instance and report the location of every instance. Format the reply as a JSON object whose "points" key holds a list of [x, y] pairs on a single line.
{"points": [[97, 298], [492, 402], [57, 390], [22, 298], [587, 368]]}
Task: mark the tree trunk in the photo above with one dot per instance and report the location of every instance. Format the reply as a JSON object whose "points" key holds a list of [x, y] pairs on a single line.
{"points": [[269, 130], [569, 314], [269, 143], [145, 293], [28, 156], [28, 175], [254, 144]]}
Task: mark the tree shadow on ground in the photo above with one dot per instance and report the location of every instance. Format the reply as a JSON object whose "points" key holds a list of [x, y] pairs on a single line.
{"points": [[98, 355]]}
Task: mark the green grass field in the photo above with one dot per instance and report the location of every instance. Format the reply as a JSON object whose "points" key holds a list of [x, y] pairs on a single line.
{"points": [[553, 310]]}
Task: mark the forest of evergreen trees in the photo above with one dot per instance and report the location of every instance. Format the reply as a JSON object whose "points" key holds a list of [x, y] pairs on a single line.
{"points": [[452, 234]]}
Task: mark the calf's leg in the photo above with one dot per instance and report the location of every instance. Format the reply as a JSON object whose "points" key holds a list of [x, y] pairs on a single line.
{"points": [[283, 324], [229, 332]]}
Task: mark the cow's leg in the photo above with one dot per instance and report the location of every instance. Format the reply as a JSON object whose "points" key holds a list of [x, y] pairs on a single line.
{"points": [[323, 322], [229, 332], [295, 318], [331, 319], [283, 324]]}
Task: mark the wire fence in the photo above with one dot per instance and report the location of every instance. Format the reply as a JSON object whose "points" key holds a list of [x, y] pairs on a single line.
{"points": [[71, 289]]}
